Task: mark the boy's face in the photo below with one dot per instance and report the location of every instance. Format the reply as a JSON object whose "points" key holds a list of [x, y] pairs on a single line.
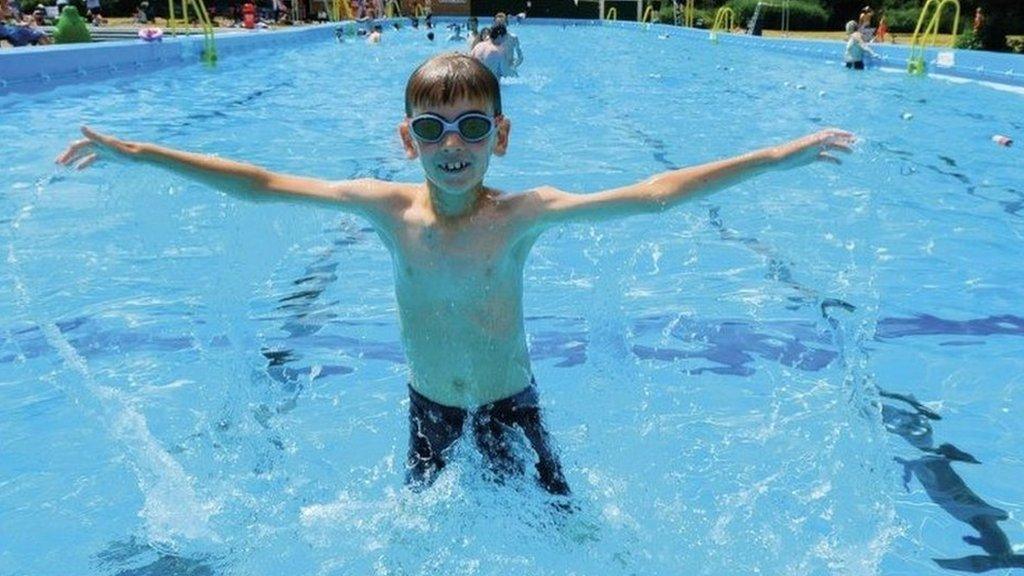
{"points": [[453, 165]]}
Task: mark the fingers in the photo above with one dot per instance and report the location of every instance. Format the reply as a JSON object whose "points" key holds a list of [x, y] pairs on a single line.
{"points": [[72, 152], [82, 153], [85, 162], [826, 157]]}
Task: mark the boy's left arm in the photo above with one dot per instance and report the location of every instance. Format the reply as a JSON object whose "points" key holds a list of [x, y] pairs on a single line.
{"points": [[666, 190]]}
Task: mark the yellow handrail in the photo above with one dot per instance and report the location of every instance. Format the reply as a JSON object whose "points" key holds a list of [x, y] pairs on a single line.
{"points": [[726, 18], [612, 14], [341, 10], [209, 54], [419, 11], [689, 13], [393, 8], [648, 14], [918, 42]]}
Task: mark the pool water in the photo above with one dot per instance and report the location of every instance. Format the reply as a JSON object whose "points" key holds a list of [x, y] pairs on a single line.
{"points": [[814, 372]]}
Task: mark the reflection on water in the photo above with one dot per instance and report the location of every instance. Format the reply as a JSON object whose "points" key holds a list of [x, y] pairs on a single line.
{"points": [[136, 558], [945, 487]]}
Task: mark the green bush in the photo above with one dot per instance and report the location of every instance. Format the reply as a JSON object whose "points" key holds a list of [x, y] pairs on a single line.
{"points": [[803, 14], [968, 40], [905, 20]]}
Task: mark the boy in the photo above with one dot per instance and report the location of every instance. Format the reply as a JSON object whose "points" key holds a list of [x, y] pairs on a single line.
{"points": [[492, 52], [459, 248], [513, 52]]}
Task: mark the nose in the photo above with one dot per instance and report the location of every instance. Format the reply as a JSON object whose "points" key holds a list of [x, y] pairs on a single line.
{"points": [[451, 139]]}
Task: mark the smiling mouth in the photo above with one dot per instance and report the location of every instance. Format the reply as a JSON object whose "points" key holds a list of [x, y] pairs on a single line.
{"points": [[454, 167]]}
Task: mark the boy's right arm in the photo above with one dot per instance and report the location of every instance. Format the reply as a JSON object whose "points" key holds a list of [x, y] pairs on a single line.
{"points": [[364, 196]]}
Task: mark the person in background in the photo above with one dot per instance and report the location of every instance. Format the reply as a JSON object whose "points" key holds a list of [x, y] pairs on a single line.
{"points": [[375, 34], [864, 23], [17, 33], [10, 10], [856, 47], [882, 31], [92, 12], [141, 17], [491, 52], [472, 32], [455, 32], [513, 52]]}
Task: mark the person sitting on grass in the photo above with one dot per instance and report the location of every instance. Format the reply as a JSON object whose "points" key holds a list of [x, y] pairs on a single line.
{"points": [[459, 249], [17, 33]]}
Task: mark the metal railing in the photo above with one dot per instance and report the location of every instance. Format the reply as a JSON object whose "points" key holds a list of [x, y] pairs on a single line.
{"points": [[725, 19], [209, 54], [920, 40]]}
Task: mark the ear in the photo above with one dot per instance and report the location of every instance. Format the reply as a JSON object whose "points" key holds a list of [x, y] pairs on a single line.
{"points": [[410, 147], [501, 143]]}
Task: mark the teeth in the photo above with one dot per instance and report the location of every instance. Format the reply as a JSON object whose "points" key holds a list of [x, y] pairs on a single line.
{"points": [[453, 166]]}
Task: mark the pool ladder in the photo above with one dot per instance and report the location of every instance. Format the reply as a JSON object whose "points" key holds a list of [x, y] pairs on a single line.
{"points": [[209, 54], [920, 40], [689, 13], [725, 19], [341, 10]]}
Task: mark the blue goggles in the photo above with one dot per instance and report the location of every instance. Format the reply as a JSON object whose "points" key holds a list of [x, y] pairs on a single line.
{"points": [[471, 126]]}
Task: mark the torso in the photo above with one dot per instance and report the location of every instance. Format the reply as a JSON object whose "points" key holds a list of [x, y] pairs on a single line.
{"points": [[491, 56], [459, 288]]}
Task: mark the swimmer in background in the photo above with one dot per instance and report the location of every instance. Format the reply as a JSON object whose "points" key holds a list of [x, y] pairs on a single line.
{"points": [[513, 52], [375, 35], [493, 53], [459, 249], [856, 47], [472, 32], [456, 33]]}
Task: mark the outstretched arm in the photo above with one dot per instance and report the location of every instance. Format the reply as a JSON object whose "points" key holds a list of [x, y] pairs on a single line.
{"points": [[236, 178], [666, 190]]}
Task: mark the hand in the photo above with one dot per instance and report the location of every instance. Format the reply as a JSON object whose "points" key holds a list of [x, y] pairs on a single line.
{"points": [[82, 153], [816, 147]]}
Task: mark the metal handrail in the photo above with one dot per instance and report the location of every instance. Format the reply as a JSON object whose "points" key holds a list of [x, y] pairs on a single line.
{"points": [[725, 19], [920, 40], [209, 54], [648, 14]]}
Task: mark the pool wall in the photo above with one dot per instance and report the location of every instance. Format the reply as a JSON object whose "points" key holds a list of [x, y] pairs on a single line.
{"points": [[36, 69]]}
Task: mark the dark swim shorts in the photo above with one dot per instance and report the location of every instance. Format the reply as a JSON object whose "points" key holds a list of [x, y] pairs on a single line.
{"points": [[497, 427]]}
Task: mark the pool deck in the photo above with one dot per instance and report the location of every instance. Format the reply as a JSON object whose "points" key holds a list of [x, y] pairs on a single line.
{"points": [[38, 69]]}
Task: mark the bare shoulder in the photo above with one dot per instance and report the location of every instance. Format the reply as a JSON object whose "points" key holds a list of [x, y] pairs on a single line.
{"points": [[534, 208], [377, 192]]}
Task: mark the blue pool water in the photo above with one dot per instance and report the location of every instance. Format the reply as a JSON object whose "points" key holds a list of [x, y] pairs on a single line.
{"points": [[194, 384]]}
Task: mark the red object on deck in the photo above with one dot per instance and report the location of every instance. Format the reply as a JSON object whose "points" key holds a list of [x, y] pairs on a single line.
{"points": [[249, 15]]}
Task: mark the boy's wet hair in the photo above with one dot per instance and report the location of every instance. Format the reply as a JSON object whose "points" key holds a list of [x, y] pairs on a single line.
{"points": [[447, 78]]}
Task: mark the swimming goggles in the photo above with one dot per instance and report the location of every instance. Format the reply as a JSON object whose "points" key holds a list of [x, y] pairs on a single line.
{"points": [[471, 126]]}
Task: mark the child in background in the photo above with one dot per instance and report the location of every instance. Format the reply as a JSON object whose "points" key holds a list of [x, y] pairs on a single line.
{"points": [[856, 47]]}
